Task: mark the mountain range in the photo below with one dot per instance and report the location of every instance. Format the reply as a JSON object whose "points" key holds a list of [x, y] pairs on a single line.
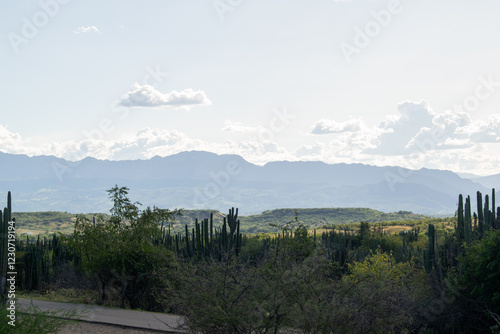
{"points": [[203, 180]]}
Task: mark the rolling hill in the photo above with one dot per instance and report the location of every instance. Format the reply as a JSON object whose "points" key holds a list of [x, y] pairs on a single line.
{"points": [[33, 223]]}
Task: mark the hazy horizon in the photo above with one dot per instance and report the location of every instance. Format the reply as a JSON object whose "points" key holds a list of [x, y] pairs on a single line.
{"points": [[384, 83]]}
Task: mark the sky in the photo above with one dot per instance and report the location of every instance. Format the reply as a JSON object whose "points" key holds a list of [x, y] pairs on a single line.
{"points": [[408, 83]]}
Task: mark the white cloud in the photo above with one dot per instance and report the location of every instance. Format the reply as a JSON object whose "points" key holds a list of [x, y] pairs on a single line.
{"points": [[147, 143], [456, 130], [399, 130], [483, 131], [416, 137], [256, 151], [326, 126], [448, 140], [310, 151], [86, 30], [10, 142], [147, 96], [143, 144], [238, 127]]}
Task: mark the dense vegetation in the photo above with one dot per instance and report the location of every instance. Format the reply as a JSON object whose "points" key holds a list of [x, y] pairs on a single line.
{"points": [[314, 218], [45, 223], [437, 279]]}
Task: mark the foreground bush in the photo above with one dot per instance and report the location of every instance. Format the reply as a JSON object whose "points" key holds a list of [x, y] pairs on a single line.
{"points": [[279, 292], [378, 296]]}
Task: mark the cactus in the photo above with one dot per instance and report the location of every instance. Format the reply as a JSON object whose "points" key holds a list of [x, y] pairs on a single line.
{"points": [[486, 214], [467, 221], [480, 216], [460, 221], [188, 245], [197, 242], [430, 253], [5, 218], [497, 223], [233, 223], [212, 246], [206, 240], [493, 208]]}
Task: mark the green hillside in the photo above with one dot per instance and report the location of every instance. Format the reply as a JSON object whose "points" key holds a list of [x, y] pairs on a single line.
{"points": [[314, 218], [34, 223]]}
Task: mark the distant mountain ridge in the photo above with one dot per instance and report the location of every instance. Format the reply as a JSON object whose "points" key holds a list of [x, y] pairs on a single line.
{"points": [[200, 180]]}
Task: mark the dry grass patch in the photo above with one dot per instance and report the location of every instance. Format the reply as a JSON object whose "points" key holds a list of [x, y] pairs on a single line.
{"points": [[396, 229], [28, 231]]}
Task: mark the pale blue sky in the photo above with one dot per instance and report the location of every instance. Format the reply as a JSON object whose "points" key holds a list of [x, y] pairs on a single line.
{"points": [[423, 82]]}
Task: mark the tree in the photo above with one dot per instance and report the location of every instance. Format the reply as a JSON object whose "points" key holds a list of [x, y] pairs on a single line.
{"points": [[125, 250], [123, 209], [97, 244]]}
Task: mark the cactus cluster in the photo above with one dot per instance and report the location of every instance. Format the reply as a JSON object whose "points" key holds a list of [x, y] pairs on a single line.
{"points": [[40, 259], [473, 226], [469, 228], [5, 218], [206, 240]]}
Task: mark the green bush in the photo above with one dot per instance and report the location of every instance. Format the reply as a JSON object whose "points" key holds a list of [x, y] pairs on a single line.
{"points": [[479, 282]]}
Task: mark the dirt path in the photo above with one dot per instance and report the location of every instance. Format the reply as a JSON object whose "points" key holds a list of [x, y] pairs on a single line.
{"points": [[95, 328], [138, 321]]}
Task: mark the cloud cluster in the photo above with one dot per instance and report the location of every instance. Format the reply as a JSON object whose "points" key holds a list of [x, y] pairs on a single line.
{"points": [[399, 130], [148, 97], [415, 137], [86, 30], [416, 128], [10, 142], [145, 144], [327, 126]]}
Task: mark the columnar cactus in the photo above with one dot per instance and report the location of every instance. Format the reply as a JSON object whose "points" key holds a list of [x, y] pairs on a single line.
{"points": [[497, 225], [493, 208], [487, 215], [467, 221], [5, 218], [460, 220], [430, 252], [480, 215]]}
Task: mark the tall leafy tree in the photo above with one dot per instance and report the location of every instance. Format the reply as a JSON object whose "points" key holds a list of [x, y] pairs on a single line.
{"points": [[123, 251]]}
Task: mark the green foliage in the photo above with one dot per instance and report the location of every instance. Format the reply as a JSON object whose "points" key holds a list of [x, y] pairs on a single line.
{"points": [[379, 296], [123, 209], [364, 233], [121, 251], [481, 273], [384, 295], [46, 223], [97, 244], [355, 277], [430, 252], [325, 217], [241, 297]]}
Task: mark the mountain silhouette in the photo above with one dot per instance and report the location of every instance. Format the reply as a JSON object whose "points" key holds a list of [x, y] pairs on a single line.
{"points": [[197, 179]]}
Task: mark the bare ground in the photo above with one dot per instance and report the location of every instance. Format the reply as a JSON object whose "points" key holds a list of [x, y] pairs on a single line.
{"points": [[94, 328]]}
